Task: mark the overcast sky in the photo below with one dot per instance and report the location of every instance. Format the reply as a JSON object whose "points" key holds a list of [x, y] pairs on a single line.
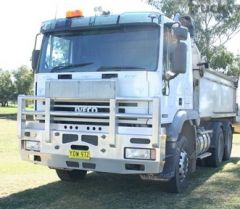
{"points": [[20, 21]]}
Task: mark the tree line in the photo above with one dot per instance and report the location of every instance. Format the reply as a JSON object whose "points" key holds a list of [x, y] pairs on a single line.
{"points": [[14, 83], [216, 22]]}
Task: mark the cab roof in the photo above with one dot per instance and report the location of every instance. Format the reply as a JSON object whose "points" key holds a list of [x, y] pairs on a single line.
{"points": [[67, 24]]}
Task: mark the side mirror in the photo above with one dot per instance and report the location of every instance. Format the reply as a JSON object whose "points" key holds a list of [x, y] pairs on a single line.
{"points": [[35, 58], [181, 33], [180, 58]]}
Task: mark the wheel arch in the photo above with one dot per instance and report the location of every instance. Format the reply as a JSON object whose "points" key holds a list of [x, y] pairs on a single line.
{"points": [[184, 123]]}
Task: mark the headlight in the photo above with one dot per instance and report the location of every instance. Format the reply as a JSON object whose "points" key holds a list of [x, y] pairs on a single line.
{"points": [[140, 154], [32, 145]]}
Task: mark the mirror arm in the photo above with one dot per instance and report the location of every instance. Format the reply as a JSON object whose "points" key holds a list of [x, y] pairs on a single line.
{"points": [[204, 64], [169, 75], [170, 24]]}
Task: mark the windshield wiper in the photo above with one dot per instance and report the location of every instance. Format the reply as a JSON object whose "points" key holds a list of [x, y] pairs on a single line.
{"points": [[64, 67], [119, 68]]}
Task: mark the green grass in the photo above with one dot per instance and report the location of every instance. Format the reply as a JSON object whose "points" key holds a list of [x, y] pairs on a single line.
{"points": [[8, 110], [11, 111], [28, 186]]}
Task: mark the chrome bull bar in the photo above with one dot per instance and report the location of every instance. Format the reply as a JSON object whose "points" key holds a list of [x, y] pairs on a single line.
{"points": [[113, 116]]}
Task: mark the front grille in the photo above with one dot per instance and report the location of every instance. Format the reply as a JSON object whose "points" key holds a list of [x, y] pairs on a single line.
{"points": [[99, 107], [82, 106]]}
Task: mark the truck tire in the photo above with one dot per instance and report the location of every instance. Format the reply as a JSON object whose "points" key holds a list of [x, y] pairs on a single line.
{"points": [[73, 175], [182, 167], [227, 132], [217, 146]]}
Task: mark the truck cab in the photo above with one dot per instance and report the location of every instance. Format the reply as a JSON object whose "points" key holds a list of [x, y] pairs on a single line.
{"points": [[114, 93]]}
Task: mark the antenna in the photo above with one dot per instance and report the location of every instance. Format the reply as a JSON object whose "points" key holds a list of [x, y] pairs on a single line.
{"points": [[56, 9], [56, 12]]}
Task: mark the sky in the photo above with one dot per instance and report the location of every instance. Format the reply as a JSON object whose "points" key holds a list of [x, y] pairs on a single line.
{"points": [[20, 21]]}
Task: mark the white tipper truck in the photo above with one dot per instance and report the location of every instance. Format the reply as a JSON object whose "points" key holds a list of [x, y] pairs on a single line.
{"points": [[119, 94]]}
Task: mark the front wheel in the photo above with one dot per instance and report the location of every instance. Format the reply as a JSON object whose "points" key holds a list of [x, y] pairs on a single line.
{"points": [[182, 167], [73, 175]]}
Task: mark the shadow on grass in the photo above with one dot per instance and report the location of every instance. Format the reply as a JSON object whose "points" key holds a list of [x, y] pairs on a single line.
{"points": [[100, 190], [13, 116], [8, 116]]}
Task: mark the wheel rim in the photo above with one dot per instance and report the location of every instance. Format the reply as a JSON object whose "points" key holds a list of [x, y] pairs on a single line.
{"points": [[183, 165]]}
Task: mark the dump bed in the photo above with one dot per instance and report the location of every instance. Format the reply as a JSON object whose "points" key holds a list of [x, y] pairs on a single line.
{"points": [[215, 95]]}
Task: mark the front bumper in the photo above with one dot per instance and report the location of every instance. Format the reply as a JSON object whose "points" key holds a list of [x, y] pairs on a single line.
{"points": [[94, 164]]}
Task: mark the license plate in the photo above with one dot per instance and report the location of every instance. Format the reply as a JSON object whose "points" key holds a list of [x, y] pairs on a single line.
{"points": [[79, 154]]}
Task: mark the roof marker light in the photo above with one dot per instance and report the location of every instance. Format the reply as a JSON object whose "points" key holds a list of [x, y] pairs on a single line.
{"points": [[74, 13]]}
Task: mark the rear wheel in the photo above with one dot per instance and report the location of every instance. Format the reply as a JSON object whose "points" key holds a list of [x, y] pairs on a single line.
{"points": [[227, 141], [217, 146], [179, 182], [73, 175]]}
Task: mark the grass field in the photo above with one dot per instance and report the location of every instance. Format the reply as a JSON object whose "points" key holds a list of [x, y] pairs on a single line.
{"points": [[8, 112], [28, 186]]}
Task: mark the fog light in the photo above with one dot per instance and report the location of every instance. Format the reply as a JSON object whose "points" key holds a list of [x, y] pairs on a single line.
{"points": [[32, 145], [140, 154]]}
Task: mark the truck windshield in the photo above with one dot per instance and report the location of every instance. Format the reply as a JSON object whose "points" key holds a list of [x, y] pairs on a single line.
{"points": [[122, 48]]}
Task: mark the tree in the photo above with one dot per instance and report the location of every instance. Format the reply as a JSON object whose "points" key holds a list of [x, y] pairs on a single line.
{"points": [[221, 58], [170, 7], [23, 81], [215, 22], [6, 88], [225, 61], [235, 67]]}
